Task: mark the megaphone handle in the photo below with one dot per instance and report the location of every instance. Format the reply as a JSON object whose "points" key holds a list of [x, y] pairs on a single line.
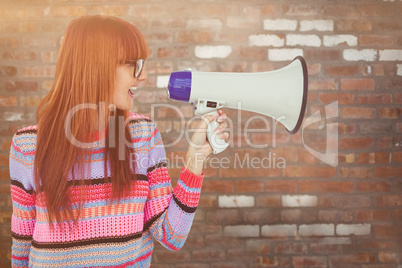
{"points": [[218, 145]]}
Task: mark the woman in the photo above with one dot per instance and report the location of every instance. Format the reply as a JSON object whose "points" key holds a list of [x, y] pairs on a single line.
{"points": [[90, 186]]}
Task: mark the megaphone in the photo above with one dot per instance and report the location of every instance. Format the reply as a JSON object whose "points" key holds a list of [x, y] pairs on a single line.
{"points": [[280, 94]]}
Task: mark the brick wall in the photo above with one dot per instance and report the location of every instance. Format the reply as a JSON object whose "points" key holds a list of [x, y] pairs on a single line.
{"points": [[271, 199]]}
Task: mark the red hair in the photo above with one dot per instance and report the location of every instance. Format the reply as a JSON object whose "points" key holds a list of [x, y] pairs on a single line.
{"points": [[91, 49]]}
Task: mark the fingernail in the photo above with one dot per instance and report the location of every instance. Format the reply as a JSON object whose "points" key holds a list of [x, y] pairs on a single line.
{"points": [[223, 135], [221, 118], [216, 131]]}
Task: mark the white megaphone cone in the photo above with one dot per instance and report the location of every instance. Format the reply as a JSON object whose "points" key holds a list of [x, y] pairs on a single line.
{"points": [[280, 94]]}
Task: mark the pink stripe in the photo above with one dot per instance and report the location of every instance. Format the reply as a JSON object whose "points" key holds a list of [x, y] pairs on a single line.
{"points": [[87, 229], [22, 227], [156, 206]]}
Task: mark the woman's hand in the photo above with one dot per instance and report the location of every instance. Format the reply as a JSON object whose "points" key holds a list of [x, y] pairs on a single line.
{"points": [[200, 148]]}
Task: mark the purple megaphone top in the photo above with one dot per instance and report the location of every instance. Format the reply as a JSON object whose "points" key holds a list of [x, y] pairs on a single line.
{"points": [[179, 87]]}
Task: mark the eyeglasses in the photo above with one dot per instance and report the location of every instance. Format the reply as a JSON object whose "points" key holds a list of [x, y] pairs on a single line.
{"points": [[138, 66]]}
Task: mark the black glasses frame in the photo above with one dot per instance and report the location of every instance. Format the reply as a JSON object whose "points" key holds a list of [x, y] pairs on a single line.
{"points": [[138, 66]]}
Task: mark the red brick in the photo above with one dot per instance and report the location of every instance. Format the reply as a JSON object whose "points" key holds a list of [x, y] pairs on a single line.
{"points": [[397, 215], [376, 40], [376, 10], [207, 201], [257, 246], [341, 70], [20, 55], [268, 201], [8, 101], [267, 172], [8, 42], [307, 158], [323, 84], [326, 186], [251, 53], [335, 10], [372, 215], [174, 52], [352, 201], [4, 174], [289, 154], [256, 216], [30, 101], [387, 172], [326, 249], [356, 143], [353, 26], [358, 113], [291, 248], [323, 55], [380, 98], [357, 84], [399, 127], [346, 158], [7, 71], [389, 200], [194, 37], [347, 128], [342, 98], [280, 186], [20, 27], [313, 69], [207, 255], [249, 186], [390, 257], [223, 216], [373, 186], [218, 186], [397, 156], [300, 10], [374, 157], [387, 231], [390, 112], [398, 98], [335, 215], [326, 202], [355, 172], [309, 261], [304, 171], [383, 157], [266, 261], [107, 10], [68, 11], [270, 9], [171, 256], [236, 172], [38, 71], [350, 258]]}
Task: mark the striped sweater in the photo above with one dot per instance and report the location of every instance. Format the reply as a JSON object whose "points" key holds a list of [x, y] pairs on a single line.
{"points": [[121, 236]]}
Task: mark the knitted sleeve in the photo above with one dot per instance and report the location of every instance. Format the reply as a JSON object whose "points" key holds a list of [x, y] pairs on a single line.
{"points": [[23, 199], [169, 213]]}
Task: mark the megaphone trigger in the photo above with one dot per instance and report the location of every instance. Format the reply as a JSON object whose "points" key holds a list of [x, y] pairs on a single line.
{"points": [[205, 106]]}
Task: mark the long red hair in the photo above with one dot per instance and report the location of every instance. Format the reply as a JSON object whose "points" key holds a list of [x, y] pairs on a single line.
{"points": [[91, 49]]}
